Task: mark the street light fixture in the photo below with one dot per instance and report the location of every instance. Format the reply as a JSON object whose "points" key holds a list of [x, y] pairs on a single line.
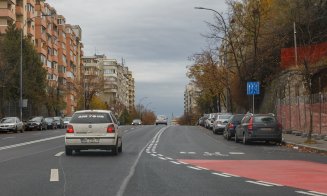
{"points": [[21, 66]]}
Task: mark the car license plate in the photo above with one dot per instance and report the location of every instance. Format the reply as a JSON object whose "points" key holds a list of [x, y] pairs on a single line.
{"points": [[90, 140], [266, 129]]}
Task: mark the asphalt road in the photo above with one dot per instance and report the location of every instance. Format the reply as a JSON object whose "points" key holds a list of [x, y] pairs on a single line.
{"points": [[157, 160]]}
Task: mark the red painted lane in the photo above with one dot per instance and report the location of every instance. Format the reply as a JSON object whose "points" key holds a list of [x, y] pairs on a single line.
{"points": [[299, 174]]}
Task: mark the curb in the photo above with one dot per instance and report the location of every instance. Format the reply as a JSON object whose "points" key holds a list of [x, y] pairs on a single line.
{"points": [[305, 147]]}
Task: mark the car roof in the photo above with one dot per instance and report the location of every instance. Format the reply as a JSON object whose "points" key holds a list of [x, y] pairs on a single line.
{"points": [[87, 111]]}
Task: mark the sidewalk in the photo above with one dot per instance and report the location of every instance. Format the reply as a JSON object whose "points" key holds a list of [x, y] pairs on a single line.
{"points": [[296, 141]]}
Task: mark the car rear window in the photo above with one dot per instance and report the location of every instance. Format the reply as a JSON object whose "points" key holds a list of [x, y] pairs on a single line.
{"points": [[91, 118], [224, 116], [264, 119]]}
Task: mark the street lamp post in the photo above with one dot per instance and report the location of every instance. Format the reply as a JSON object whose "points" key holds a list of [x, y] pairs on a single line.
{"points": [[21, 67]]}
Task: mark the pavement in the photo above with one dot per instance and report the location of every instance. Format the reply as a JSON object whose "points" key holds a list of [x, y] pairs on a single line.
{"points": [[297, 141]]}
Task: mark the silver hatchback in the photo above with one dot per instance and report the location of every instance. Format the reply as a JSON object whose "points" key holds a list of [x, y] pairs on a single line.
{"points": [[93, 129]]}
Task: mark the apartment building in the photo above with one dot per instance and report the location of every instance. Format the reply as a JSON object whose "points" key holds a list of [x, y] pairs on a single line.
{"points": [[118, 81], [190, 95], [58, 44]]}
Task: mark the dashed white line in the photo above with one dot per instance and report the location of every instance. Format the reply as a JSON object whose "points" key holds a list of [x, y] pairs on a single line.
{"points": [[232, 175], [8, 138], [182, 152], [309, 193], [59, 154], [259, 183], [191, 152], [154, 155], [235, 153], [223, 175], [169, 158], [54, 175], [195, 168], [183, 163], [162, 158], [315, 192], [160, 155], [202, 168], [274, 184], [177, 163]]}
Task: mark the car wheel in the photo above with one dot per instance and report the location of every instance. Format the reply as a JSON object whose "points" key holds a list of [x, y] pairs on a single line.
{"points": [[114, 150], [236, 139], [120, 149], [68, 151], [245, 141], [16, 131]]}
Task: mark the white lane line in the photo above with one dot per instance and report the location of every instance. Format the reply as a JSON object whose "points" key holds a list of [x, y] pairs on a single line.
{"points": [[258, 183], [183, 163], [154, 155], [230, 175], [8, 138], [202, 168], [223, 175], [274, 184], [182, 152], [308, 193], [191, 152], [194, 168], [162, 158], [59, 154], [169, 158], [54, 175], [315, 192], [160, 155], [30, 142], [177, 163], [236, 153]]}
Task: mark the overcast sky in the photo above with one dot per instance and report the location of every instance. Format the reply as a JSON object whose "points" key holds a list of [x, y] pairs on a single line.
{"points": [[155, 37]]}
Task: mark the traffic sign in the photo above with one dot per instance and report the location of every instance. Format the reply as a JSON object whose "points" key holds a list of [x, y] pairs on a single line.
{"points": [[253, 88]]}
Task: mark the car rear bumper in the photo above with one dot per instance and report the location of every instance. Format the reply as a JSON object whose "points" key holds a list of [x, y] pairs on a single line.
{"points": [[272, 137], [90, 142]]}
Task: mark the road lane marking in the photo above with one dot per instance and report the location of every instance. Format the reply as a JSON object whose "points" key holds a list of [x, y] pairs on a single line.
{"points": [[54, 175], [160, 155], [223, 175], [30, 142], [162, 158], [231, 175], [8, 138], [236, 153], [309, 193], [195, 168], [153, 155], [258, 183], [177, 163], [126, 180], [183, 163], [202, 168], [169, 158], [315, 192], [59, 154], [182, 152], [191, 152], [274, 184]]}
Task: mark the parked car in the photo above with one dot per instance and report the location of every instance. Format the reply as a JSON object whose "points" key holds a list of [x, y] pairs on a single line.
{"points": [[204, 118], [11, 124], [233, 121], [37, 122], [259, 127], [60, 121], [162, 119], [208, 123], [136, 122], [93, 129], [220, 123], [51, 123], [66, 120]]}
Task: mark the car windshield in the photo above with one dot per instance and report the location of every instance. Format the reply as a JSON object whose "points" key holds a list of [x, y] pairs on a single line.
{"points": [[48, 119], [90, 118], [224, 117], [264, 119], [67, 118], [7, 120]]}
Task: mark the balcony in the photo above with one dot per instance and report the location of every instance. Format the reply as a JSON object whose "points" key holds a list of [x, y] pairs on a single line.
{"points": [[6, 13], [19, 10]]}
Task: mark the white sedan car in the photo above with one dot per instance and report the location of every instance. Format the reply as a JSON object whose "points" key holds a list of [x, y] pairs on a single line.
{"points": [[93, 129], [11, 124]]}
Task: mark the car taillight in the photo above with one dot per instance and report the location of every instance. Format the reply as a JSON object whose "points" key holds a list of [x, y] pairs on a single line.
{"points": [[70, 129], [250, 125], [231, 125], [111, 129]]}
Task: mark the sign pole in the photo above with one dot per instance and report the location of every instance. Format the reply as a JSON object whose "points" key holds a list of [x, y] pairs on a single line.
{"points": [[253, 103]]}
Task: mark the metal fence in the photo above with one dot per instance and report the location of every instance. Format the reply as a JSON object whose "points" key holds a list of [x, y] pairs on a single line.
{"points": [[294, 113]]}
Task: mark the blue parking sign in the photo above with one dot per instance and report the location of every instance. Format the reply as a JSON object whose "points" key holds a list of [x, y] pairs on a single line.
{"points": [[253, 88]]}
